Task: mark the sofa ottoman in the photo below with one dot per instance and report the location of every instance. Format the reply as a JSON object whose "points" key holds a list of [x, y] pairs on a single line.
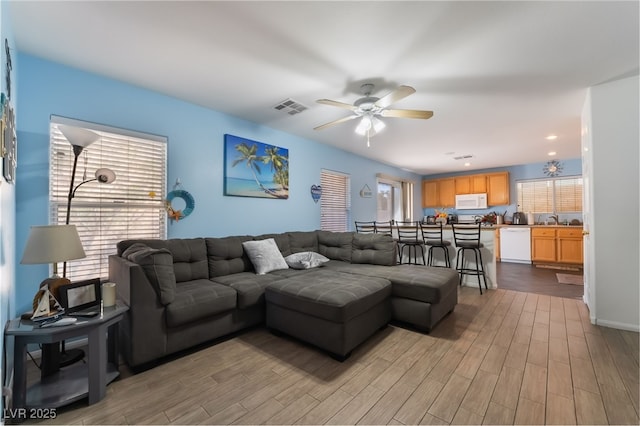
{"points": [[332, 310]]}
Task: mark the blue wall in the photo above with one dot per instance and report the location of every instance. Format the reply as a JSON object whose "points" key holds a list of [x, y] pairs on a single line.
{"points": [[195, 155], [571, 167]]}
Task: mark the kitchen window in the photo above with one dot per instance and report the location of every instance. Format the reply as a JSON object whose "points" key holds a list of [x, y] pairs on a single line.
{"points": [[551, 196], [105, 214], [335, 202]]}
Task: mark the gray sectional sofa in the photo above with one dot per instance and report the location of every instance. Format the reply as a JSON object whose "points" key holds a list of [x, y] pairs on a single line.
{"points": [[183, 292]]}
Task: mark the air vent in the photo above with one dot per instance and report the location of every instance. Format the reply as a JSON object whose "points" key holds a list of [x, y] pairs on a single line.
{"points": [[290, 106], [463, 157]]}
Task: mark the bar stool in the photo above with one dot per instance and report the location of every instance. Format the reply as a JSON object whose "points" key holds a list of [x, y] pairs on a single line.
{"points": [[432, 237], [408, 238], [385, 228], [365, 227], [467, 238]]}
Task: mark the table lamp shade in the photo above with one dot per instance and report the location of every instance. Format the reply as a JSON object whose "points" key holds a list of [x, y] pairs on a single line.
{"points": [[52, 244]]}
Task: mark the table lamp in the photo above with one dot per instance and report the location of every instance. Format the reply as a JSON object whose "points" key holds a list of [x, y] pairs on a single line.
{"points": [[51, 244]]}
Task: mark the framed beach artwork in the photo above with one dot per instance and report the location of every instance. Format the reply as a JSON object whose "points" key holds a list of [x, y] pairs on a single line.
{"points": [[255, 169]]}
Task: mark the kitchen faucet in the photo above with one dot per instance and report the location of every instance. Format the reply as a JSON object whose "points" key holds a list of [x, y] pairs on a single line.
{"points": [[555, 218]]}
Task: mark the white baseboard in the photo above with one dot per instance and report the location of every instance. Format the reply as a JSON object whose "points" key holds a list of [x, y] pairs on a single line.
{"points": [[618, 325]]}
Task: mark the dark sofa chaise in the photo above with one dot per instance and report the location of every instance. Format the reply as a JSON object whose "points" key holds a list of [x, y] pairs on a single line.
{"points": [[183, 292]]}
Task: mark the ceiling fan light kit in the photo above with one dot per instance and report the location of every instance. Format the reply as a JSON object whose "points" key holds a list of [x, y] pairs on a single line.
{"points": [[369, 108]]}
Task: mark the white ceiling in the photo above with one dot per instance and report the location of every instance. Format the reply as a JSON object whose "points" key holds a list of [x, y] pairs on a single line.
{"points": [[499, 76]]}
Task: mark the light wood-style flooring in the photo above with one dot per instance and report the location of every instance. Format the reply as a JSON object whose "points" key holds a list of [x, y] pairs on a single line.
{"points": [[505, 357]]}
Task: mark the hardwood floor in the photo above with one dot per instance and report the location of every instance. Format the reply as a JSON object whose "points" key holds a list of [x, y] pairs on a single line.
{"points": [[532, 279], [505, 357]]}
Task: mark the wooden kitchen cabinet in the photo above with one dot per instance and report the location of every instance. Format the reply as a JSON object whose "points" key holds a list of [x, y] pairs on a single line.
{"points": [[569, 245], [543, 245], [557, 245], [479, 184], [447, 192], [439, 193], [430, 196], [471, 184], [496, 243], [497, 188]]}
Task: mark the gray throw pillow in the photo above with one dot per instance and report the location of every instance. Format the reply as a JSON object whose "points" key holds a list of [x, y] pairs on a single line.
{"points": [[157, 265], [265, 255], [305, 260]]}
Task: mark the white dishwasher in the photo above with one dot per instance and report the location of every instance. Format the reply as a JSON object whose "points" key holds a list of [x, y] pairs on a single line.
{"points": [[515, 244]]}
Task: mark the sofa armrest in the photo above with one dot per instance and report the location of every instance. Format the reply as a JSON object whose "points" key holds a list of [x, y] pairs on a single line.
{"points": [[144, 333]]}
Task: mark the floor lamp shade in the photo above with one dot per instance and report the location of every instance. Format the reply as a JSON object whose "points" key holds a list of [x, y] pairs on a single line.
{"points": [[52, 244]]}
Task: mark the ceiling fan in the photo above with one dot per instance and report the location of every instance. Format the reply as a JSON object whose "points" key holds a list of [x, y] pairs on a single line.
{"points": [[368, 108]]}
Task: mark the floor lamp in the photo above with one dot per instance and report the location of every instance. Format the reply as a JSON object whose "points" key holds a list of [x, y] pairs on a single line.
{"points": [[79, 140]]}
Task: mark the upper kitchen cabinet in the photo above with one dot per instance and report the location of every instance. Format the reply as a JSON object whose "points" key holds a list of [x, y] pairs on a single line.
{"points": [[471, 184], [439, 193], [430, 196], [447, 196], [498, 188]]}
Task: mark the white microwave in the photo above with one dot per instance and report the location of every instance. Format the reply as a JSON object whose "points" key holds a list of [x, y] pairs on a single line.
{"points": [[471, 201]]}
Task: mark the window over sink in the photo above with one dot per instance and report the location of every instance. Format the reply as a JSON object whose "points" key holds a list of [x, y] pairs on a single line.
{"points": [[557, 195]]}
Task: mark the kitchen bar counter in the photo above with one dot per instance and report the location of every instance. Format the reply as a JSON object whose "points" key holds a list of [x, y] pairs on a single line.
{"points": [[487, 238]]}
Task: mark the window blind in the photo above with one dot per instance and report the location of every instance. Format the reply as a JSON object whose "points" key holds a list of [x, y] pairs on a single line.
{"points": [[561, 195], [105, 214], [335, 203]]}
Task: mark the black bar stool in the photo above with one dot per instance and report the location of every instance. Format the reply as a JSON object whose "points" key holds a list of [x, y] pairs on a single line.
{"points": [[365, 227], [408, 238], [467, 238], [432, 237]]}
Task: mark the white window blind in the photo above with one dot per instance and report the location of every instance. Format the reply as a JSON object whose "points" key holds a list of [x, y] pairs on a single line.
{"points": [[335, 203], [560, 195], [105, 214]]}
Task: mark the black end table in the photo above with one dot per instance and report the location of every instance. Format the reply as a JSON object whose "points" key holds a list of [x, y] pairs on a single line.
{"points": [[76, 381]]}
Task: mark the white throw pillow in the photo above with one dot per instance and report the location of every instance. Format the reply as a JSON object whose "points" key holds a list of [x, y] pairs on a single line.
{"points": [[265, 255], [305, 260]]}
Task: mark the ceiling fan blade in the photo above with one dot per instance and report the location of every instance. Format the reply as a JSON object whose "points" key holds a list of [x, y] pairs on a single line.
{"points": [[406, 113], [336, 104], [400, 93], [332, 123]]}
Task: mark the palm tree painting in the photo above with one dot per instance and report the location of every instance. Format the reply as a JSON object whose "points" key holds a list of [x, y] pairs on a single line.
{"points": [[255, 169]]}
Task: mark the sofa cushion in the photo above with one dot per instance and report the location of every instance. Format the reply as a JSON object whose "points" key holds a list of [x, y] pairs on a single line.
{"points": [[330, 295], [226, 256], [335, 245], [249, 286], [305, 260], [157, 265], [374, 249], [189, 258], [199, 299], [303, 241], [264, 255]]}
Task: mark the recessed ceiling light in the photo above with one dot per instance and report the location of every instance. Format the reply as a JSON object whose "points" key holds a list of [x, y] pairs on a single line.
{"points": [[467, 164], [551, 137], [551, 153]]}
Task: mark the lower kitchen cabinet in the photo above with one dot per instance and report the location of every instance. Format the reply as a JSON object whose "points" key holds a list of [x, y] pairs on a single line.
{"points": [[556, 245], [569, 243], [543, 245]]}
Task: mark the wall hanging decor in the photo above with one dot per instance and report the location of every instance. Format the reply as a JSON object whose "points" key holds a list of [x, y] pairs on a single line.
{"points": [[365, 192], [9, 141], [255, 169], [316, 192], [178, 192], [552, 168]]}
